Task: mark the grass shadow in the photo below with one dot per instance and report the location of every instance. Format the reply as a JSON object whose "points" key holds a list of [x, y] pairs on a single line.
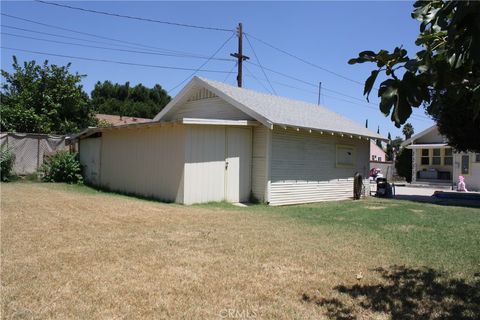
{"points": [[468, 203], [408, 293]]}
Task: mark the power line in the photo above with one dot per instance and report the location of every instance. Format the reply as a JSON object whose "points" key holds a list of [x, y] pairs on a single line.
{"points": [[113, 61], [362, 103], [231, 71], [133, 17], [258, 60], [90, 34], [306, 61], [114, 49], [203, 64], [261, 83], [81, 39], [314, 85]]}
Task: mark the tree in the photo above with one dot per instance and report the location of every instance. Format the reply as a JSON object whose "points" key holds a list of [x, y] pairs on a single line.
{"points": [[43, 99], [389, 149], [138, 101], [379, 142], [403, 164], [408, 130], [396, 143], [443, 77]]}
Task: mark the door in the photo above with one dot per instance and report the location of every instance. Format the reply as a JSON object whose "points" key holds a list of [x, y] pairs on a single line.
{"points": [[465, 165], [238, 162]]}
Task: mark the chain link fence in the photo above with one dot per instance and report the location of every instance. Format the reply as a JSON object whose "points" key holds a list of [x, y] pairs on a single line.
{"points": [[30, 149]]}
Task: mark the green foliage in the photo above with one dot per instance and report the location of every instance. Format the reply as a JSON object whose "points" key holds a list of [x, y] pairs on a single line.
{"points": [[403, 164], [408, 130], [7, 160], [63, 166], [444, 76], [104, 124], [138, 101], [43, 99], [393, 147]]}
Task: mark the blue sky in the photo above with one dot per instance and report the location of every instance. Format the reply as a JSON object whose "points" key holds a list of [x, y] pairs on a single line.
{"points": [[325, 33]]}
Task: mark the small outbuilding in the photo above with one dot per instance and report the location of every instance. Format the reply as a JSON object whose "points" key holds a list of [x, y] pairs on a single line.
{"points": [[216, 142]]}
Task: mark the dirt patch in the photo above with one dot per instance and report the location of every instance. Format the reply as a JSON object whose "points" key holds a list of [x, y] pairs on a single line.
{"points": [[375, 208], [417, 210]]}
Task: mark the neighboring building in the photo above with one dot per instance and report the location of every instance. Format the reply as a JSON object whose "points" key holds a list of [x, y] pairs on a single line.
{"points": [[116, 120], [433, 160], [215, 142], [377, 153], [378, 160]]}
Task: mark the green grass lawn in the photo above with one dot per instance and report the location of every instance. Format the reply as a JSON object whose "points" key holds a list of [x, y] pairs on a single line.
{"points": [[445, 238]]}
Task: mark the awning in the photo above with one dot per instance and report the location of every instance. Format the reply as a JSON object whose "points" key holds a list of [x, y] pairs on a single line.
{"points": [[428, 146]]}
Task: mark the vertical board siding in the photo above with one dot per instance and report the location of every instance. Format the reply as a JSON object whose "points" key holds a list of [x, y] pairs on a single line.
{"points": [[209, 108], [303, 167], [90, 159], [205, 164], [259, 158], [147, 162], [200, 94], [239, 159]]}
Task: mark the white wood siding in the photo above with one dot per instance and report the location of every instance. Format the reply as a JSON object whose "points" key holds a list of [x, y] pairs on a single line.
{"points": [[259, 162], [303, 167], [208, 108], [472, 180], [206, 175], [90, 159], [239, 164], [147, 161], [205, 164]]}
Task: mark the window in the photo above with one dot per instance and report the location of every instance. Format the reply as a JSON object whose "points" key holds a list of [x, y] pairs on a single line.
{"points": [[345, 156], [448, 159], [380, 159], [425, 160], [436, 159], [465, 164], [477, 157]]}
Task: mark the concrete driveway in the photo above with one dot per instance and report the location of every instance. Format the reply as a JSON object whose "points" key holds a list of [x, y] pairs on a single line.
{"points": [[425, 194]]}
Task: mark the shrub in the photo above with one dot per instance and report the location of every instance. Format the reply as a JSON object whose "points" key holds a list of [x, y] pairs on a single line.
{"points": [[7, 159], [63, 166]]}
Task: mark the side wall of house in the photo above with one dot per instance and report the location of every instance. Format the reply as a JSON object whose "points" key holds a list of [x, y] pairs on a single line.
{"points": [[147, 161], [259, 162], [304, 167], [90, 159], [204, 164], [444, 167], [472, 179]]}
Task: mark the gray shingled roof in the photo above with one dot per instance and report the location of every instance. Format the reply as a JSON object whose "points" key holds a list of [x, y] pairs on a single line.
{"points": [[288, 112]]}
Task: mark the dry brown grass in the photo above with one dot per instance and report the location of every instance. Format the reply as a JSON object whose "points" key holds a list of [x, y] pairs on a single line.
{"points": [[70, 255]]}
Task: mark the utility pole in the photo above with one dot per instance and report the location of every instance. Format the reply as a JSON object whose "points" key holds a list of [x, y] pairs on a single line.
{"points": [[239, 55], [319, 91]]}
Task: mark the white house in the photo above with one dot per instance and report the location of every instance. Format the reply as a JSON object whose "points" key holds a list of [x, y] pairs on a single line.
{"points": [[215, 142], [433, 160]]}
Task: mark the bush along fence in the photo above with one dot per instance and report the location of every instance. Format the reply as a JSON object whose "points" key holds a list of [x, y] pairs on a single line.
{"points": [[30, 149]]}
